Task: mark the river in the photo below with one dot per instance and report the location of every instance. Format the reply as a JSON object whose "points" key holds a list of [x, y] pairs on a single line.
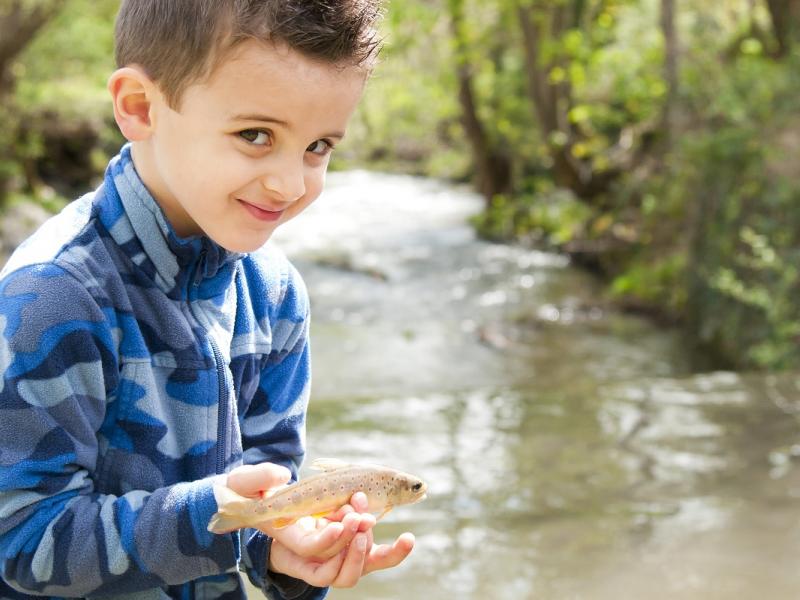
{"points": [[570, 450]]}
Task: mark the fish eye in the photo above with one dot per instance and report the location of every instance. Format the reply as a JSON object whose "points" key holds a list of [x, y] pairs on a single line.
{"points": [[416, 487]]}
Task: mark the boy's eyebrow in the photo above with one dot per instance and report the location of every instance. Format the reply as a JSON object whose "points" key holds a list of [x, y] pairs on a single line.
{"points": [[282, 123]]}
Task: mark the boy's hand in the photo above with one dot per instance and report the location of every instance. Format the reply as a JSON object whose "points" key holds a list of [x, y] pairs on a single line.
{"points": [[299, 550], [334, 551]]}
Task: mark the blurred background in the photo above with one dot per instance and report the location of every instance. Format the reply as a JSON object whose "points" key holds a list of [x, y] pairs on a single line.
{"points": [[555, 273]]}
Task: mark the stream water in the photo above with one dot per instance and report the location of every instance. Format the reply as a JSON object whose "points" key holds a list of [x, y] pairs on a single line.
{"points": [[570, 451]]}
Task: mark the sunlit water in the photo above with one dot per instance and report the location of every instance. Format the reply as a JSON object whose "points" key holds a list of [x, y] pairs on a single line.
{"points": [[569, 450]]}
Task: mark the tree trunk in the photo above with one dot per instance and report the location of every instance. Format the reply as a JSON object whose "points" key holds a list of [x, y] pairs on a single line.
{"points": [[785, 16], [670, 72], [20, 21], [552, 101], [492, 165]]}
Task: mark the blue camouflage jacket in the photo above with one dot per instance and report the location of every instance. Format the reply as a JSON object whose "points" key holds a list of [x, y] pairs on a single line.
{"points": [[136, 367]]}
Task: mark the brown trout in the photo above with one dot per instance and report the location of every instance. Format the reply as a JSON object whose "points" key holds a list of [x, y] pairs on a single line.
{"points": [[317, 496]]}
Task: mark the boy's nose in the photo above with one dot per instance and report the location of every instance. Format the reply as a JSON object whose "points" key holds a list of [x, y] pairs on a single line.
{"points": [[287, 183]]}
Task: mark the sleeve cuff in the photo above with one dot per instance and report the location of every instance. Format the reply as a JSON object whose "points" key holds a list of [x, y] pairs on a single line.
{"points": [[275, 585], [202, 506]]}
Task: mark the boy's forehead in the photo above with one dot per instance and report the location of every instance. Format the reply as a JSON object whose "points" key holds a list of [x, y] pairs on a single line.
{"points": [[253, 60], [264, 80]]}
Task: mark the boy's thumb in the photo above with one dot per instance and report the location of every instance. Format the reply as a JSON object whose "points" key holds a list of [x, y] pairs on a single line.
{"points": [[253, 480]]}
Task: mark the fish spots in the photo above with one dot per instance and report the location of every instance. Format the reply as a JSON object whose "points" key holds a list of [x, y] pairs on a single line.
{"points": [[325, 493]]}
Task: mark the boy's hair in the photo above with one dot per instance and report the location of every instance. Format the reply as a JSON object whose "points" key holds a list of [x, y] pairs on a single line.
{"points": [[178, 42]]}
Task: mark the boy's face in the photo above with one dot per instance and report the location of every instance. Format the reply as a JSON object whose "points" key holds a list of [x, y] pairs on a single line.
{"points": [[249, 148]]}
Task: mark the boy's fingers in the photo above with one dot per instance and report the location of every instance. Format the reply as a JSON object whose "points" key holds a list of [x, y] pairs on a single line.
{"points": [[350, 525], [314, 543], [251, 480], [315, 573], [321, 575], [353, 565], [323, 543], [385, 557], [359, 502], [339, 514], [367, 522]]}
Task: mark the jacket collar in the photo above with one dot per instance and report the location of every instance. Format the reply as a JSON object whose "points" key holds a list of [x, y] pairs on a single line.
{"points": [[138, 225]]}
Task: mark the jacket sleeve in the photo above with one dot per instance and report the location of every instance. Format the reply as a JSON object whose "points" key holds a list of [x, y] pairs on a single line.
{"points": [[58, 536], [273, 429]]}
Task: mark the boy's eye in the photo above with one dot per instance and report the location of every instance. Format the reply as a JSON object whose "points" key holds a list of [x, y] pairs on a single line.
{"points": [[256, 137], [320, 147]]}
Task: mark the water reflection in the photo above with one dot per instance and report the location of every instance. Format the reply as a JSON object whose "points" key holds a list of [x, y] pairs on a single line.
{"points": [[569, 451]]}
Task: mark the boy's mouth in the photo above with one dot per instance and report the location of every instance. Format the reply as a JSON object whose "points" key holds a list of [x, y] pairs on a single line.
{"points": [[262, 214]]}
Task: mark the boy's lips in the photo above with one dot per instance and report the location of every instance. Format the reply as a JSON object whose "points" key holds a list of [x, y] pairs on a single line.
{"points": [[261, 213]]}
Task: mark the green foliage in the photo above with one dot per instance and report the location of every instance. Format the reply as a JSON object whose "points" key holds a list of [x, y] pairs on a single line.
{"points": [[708, 232], [67, 65], [726, 209], [710, 229], [59, 91], [547, 215]]}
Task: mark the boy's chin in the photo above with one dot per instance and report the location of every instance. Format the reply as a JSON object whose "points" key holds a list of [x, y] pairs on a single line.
{"points": [[242, 245]]}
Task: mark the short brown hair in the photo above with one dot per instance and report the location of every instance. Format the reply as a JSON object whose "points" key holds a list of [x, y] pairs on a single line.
{"points": [[178, 42]]}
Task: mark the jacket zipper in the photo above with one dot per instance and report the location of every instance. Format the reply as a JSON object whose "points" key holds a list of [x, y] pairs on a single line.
{"points": [[222, 410], [222, 406]]}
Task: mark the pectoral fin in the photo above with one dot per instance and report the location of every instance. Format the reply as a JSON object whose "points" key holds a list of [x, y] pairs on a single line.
{"points": [[319, 515], [282, 522], [386, 510]]}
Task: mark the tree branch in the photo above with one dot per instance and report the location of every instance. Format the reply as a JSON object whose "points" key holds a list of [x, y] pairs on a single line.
{"points": [[20, 21]]}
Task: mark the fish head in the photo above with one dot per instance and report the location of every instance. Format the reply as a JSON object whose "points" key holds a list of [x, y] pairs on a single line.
{"points": [[408, 489]]}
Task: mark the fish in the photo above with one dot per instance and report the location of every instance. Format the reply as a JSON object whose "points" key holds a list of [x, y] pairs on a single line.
{"points": [[318, 496]]}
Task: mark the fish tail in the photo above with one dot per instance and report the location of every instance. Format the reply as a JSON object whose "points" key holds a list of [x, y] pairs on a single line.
{"points": [[222, 523], [229, 515]]}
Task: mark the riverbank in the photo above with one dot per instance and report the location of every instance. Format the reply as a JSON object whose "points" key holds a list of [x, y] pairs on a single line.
{"points": [[569, 449]]}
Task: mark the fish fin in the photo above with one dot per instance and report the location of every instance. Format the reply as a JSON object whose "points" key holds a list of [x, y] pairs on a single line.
{"points": [[222, 523], [385, 512], [282, 522], [227, 517], [328, 464], [319, 515]]}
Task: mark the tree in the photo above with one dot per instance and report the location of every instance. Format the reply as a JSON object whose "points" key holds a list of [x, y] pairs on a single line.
{"points": [[544, 24], [785, 16], [492, 163], [20, 21], [670, 70]]}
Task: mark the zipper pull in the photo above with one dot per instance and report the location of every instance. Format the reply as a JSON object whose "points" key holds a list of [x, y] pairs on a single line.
{"points": [[198, 274]]}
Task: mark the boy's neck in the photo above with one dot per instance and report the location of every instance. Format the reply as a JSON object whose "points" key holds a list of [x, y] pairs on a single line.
{"points": [[146, 167]]}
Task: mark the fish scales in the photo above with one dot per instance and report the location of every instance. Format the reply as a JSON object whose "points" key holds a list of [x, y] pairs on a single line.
{"points": [[318, 495]]}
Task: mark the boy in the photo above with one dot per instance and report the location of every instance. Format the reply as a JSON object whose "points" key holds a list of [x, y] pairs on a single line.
{"points": [[152, 346]]}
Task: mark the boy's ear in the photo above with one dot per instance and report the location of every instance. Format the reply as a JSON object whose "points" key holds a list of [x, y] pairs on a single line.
{"points": [[133, 93]]}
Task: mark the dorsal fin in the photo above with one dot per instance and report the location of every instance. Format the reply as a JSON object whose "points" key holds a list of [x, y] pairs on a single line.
{"points": [[328, 464]]}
